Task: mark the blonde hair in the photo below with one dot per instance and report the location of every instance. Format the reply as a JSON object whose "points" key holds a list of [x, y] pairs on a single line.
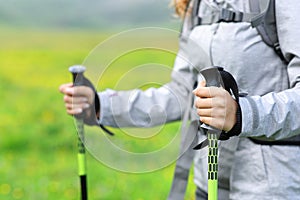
{"points": [[180, 6]]}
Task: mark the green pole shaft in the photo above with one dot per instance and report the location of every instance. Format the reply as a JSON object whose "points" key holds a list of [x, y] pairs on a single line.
{"points": [[81, 159], [212, 166]]}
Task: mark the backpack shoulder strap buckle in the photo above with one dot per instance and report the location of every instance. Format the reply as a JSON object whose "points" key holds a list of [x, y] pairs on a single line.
{"points": [[230, 16]]}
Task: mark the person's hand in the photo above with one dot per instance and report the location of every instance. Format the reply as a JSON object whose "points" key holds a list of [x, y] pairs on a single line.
{"points": [[216, 107], [77, 99]]}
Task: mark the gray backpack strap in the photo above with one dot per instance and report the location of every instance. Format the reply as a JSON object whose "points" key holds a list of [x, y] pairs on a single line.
{"points": [[254, 6], [196, 20], [184, 164], [263, 5], [265, 23], [258, 6], [186, 156]]}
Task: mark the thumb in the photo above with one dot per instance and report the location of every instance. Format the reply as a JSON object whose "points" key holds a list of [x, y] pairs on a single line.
{"points": [[201, 84]]}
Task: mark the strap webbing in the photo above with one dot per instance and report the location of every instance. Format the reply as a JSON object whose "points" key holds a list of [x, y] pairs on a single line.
{"points": [[263, 4], [258, 6], [196, 20], [254, 6], [183, 166], [184, 162]]}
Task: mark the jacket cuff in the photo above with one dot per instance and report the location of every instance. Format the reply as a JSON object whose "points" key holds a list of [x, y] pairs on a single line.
{"points": [[106, 117], [247, 113], [236, 129]]}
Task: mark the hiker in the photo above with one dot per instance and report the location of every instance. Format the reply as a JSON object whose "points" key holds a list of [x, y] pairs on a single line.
{"points": [[261, 159]]}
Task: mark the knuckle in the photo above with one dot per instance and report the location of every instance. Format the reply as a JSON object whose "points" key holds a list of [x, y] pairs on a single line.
{"points": [[204, 120], [197, 102], [68, 106], [66, 98], [199, 112]]}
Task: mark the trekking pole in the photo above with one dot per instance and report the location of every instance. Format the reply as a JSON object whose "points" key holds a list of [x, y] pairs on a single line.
{"points": [[212, 78], [212, 164], [77, 72]]}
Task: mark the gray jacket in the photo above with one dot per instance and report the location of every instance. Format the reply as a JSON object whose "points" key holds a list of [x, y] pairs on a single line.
{"points": [[270, 111], [272, 108]]}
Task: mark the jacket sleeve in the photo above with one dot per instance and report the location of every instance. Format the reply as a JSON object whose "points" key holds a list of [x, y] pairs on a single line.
{"points": [[151, 107], [275, 116]]}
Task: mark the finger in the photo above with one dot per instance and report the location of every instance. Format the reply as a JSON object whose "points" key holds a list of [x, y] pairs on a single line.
{"points": [[77, 91], [202, 83], [203, 92], [208, 92], [204, 112], [83, 91], [63, 87], [72, 106], [74, 111], [201, 103], [206, 120], [68, 90], [213, 122], [75, 100]]}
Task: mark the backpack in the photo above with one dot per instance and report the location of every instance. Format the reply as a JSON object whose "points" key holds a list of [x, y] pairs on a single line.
{"points": [[264, 22]]}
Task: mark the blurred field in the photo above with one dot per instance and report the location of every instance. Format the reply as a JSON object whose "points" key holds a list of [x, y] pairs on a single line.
{"points": [[38, 152]]}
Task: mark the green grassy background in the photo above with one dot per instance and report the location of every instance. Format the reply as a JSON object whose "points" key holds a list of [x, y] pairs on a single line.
{"points": [[38, 152]]}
